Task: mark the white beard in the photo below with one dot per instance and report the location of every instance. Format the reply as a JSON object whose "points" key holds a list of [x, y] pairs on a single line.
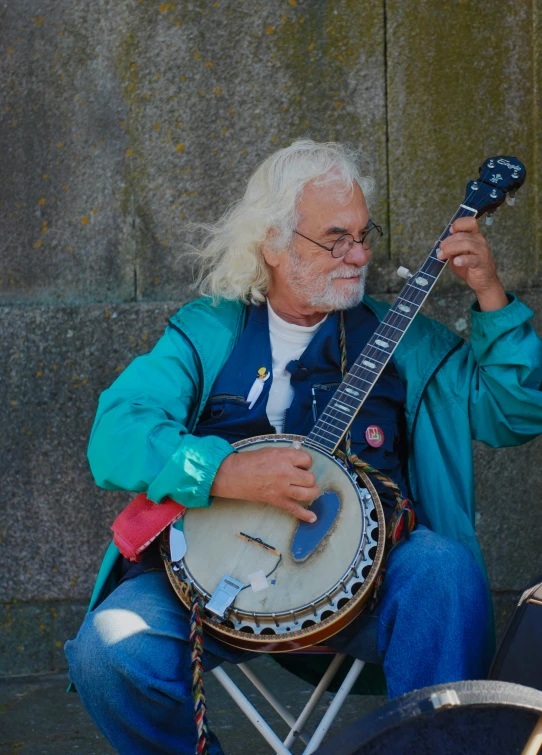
{"points": [[320, 292]]}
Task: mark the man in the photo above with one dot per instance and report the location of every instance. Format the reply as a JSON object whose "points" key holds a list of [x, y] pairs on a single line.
{"points": [[281, 265]]}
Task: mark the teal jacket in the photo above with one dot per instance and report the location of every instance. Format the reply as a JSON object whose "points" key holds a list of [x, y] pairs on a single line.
{"points": [[488, 389]]}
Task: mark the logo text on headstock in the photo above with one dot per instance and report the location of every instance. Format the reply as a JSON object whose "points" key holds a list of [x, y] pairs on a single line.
{"points": [[502, 161]]}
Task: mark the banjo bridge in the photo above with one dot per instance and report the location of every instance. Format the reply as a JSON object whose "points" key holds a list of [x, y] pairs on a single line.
{"points": [[258, 541]]}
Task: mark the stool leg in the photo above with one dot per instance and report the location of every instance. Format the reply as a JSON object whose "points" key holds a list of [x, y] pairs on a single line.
{"points": [[535, 740], [250, 711], [270, 697], [323, 684], [334, 707]]}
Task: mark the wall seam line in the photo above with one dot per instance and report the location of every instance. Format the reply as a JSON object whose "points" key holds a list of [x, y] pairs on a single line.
{"points": [[386, 125]]}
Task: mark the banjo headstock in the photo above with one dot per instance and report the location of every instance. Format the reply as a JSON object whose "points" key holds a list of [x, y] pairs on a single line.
{"points": [[500, 178]]}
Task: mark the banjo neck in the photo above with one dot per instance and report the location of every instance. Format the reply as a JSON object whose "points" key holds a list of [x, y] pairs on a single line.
{"points": [[482, 196]]}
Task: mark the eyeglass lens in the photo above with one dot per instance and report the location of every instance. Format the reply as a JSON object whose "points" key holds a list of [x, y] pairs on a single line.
{"points": [[343, 245]]}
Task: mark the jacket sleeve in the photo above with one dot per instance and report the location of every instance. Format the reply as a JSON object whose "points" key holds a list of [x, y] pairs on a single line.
{"points": [[499, 378], [140, 440]]}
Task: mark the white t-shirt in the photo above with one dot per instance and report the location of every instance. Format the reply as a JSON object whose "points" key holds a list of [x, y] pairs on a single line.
{"points": [[288, 341]]}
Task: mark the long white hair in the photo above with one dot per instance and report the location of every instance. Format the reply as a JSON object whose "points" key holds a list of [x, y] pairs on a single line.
{"points": [[231, 263]]}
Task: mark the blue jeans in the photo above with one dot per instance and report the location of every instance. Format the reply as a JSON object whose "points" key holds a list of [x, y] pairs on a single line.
{"points": [[131, 660]]}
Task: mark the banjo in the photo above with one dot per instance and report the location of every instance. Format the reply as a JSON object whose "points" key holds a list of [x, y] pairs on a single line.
{"points": [[272, 583]]}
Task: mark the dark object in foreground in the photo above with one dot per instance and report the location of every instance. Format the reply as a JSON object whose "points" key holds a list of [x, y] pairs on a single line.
{"points": [[519, 657], [463, 718]]}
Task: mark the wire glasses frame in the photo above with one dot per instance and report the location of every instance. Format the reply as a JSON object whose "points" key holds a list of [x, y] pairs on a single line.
{"points": [[344, 243]]}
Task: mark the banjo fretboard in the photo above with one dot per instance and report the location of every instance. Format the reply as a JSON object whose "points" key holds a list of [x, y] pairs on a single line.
{"points": [[347, 400]]}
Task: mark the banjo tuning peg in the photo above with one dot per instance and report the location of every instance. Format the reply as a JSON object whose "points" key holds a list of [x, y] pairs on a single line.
{"points": [[489, 219], [511, 199], [404, 272]]}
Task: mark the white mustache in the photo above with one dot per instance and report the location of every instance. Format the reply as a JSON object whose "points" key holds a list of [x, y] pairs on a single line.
{"points": [[349, 272]]}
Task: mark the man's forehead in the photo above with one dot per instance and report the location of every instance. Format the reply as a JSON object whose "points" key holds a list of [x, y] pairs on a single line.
{"points": [[333, 203]]}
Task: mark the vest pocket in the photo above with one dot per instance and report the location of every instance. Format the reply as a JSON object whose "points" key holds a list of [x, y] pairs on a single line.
{"points": [[221, 406]]}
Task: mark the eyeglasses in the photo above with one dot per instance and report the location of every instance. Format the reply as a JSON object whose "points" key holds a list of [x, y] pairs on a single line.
{"points": [[344, 243]]}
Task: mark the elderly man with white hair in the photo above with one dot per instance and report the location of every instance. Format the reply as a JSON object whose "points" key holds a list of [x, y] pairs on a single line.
{"points": [[283, 275]]}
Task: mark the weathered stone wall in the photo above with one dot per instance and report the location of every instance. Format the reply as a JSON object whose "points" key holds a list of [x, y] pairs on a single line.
{"points": [[122, 122]]}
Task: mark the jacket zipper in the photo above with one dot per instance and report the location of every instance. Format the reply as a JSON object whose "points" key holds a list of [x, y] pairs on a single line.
{"points": [[229, 397], [323, 387]]}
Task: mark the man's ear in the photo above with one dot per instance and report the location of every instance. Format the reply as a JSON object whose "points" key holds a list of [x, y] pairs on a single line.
{"points": [[270, 255]]}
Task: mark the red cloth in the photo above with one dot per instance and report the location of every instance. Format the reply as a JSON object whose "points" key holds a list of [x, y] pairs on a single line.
{"points": [[141, 522]]}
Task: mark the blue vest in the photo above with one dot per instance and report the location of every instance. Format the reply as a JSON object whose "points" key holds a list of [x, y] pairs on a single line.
{"points": [[314, 378]]}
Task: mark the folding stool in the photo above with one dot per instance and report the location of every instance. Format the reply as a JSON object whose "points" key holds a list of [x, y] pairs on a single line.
{"points": [[297, 725]]}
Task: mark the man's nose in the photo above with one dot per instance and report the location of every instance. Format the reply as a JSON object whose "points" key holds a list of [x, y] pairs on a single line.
{"points": [[358, 255]]}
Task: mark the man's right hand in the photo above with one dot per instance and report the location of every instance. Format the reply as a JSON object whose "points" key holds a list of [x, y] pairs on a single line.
{"points": [[279, 476]]}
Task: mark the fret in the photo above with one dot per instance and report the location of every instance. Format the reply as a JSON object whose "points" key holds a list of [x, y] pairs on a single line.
{"points": [[372, 350], [326, 445], [431, 276], [342, 409], [412, 296], [326, 442], [325, 422], [383, 344], [334, 429], [428, 269], [361, 372], [372, 358], [351, 393], [412, 300], [377, 348], [404, 308], [339, 407], [423, 290], [370, 383], [345, 398], [367, 369], [391, 326], [360, 378], [397, 317], [378, 336], [321, 431]]}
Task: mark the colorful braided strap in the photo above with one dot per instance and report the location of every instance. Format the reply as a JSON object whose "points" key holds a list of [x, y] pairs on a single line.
{"points": [[198, 692]]}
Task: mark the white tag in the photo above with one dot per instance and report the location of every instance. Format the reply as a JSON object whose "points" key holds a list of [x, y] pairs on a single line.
{"points": [[258, 581], [255, 391]]}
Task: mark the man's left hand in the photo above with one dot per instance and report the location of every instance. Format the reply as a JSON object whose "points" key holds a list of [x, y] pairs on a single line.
{"points": [[471, 260]]}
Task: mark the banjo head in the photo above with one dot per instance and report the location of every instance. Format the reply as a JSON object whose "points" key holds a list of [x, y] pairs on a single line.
{"points": [[300, 585]]}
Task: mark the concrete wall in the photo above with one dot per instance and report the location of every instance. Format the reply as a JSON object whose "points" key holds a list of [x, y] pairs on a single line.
{"points": [[122, 122]]}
